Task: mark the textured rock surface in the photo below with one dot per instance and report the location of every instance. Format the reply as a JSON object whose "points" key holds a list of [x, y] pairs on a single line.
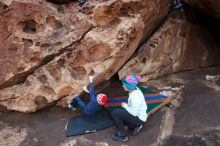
{"points": [[62, 44], [33, 35], [212, 7], [180, 44]]}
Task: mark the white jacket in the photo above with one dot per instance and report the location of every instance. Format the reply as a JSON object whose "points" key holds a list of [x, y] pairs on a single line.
{"points": [[136, 105]]}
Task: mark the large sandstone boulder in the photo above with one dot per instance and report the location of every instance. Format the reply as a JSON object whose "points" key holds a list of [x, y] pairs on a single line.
{"points": [[32, 34], [50, 49], [182, 43], [212, 7]]}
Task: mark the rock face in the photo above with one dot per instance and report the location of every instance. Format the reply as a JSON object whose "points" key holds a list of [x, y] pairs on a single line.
{"points": [[50, 49], [212, 7], [32, 34], [180, 44]]}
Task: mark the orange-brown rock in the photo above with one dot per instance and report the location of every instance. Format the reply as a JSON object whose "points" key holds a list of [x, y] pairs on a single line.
{"points": [[182, 43], [59, 45], [32, 34]]}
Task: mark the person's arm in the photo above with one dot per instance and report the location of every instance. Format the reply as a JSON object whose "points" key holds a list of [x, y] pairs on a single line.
{"points": [[85, 89], [91, 89], [133, 106]]}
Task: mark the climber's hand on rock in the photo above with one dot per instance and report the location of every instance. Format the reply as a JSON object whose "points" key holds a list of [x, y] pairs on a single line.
{"points": [[91, 79]]}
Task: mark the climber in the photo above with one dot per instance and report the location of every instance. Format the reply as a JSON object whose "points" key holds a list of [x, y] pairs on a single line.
{"points": [[96, 100]]}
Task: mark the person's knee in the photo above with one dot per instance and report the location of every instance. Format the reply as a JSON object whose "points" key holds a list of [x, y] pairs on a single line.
{"points": [[116, 112]]}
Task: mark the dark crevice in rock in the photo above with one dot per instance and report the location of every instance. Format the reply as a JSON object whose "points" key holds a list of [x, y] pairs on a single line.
{"points": [[29, 26], [19, 78], [61, 62], [37, 44], [131, 8], [6, 11], [41, 101], [209, 8], [59, 1], [42, 78], [45, 45], [27, 42], [60, 8], [77, 72], [49, 58], [209, 23]]}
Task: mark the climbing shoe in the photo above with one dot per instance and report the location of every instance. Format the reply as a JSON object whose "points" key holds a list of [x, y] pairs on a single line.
{"points": [[136, 130], [71, 108], [116, 137]]}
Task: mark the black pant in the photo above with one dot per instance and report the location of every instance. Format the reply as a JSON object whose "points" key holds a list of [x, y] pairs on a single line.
{"points": [[121, 116]]}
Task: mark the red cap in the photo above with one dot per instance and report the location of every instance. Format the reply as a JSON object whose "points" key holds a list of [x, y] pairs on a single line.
{"points": [[102, 98]]}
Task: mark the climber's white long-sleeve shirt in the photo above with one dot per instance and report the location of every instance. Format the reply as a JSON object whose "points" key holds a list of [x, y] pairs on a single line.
{"points": [[136, 104]]}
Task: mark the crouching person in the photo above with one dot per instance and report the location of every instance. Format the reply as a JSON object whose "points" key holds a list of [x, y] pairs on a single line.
{"points": [[96, 101], [133, 113]]}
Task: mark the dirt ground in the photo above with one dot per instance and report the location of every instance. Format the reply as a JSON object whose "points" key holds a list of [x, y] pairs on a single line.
{"points": [[192, 119]]}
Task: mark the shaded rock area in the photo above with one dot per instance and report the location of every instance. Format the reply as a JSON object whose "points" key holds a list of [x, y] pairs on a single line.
{"points": [[211, 7], [183, 42], [192, 120], [50, 49]]}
